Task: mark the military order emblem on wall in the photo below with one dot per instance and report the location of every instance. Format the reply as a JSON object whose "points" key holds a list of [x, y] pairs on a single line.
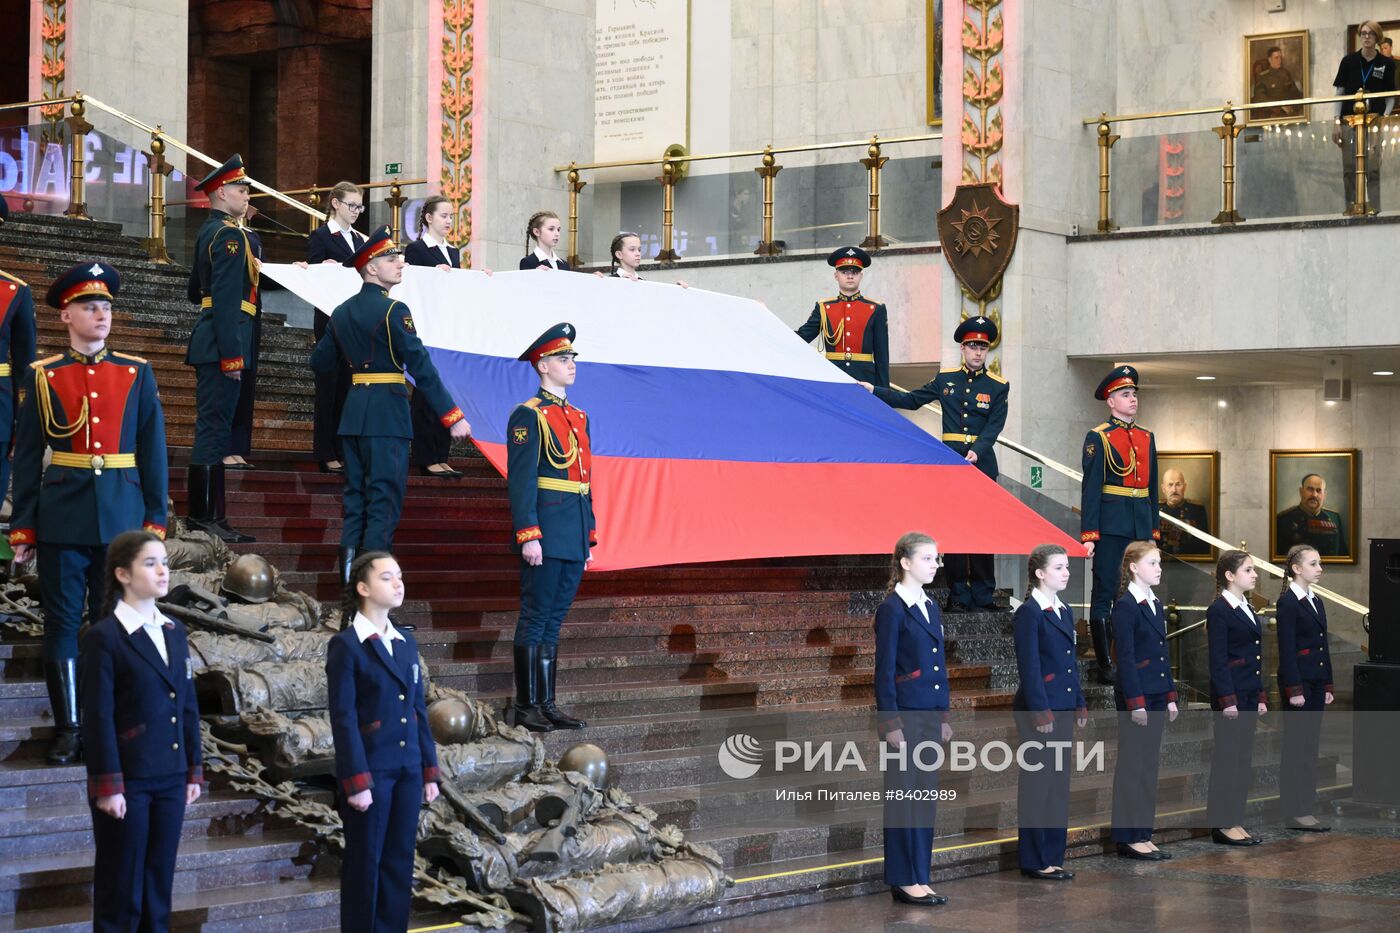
{"points": [[978, 233]]}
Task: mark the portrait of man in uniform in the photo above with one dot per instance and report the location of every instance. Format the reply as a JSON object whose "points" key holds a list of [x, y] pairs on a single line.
{"points": [[1315, 503], [1276, 68], [1189, 492]]}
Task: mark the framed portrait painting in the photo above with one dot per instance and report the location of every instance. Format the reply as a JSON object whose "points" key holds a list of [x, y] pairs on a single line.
{"points": [[1314, 497], [1190, 493], [1276, 68], [933, 58]]}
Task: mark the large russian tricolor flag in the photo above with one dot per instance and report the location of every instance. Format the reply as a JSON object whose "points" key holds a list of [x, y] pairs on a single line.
{"points": [[717, 433]]}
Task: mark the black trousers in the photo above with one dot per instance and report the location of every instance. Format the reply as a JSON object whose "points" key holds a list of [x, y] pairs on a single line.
{"points": [[1232, 764], [909, 819], [241, 432], [431, 441], [216, 400], [1302, 734], [971, 580], [331, 389], [1135, 774], [135, 860], [376, 876], [1042, 797]]}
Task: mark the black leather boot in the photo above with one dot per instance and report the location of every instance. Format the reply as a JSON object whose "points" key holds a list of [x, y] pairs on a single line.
{"points": [[525, 710], [548, 661], [1103, 663], [220, 516], [347, 557], [200, 507], [62, 679]]}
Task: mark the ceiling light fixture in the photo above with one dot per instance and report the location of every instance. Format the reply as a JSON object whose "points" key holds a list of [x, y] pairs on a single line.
{"points": [[1205, 378]]}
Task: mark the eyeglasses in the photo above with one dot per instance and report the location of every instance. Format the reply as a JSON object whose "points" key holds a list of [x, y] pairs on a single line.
{"points": [[1366, 32], [352, 208]]}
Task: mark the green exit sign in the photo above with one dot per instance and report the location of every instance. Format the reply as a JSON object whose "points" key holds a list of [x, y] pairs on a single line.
{"points": [[393, 168], [1037, 477]]}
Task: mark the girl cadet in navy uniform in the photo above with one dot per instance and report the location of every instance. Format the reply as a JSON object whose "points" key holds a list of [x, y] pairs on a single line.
{"points": [[385, 759], [1235, 634], [543, 229], [1049, 703], [1305, 682], [143, 747], [431, 441], [911, 678], [333, 242], [626, 253], [1144, 690]]}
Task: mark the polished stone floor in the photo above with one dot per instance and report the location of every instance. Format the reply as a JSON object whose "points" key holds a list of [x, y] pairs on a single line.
{"points": [[1348, 879]]}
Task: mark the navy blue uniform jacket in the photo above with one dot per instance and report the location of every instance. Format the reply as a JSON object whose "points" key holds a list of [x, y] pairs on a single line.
{"points": [[372, 333], [531, 261], [1046, 662], [379, 716], [224, 283], [1302, 644], [325, 244], [1140, 645], [911, 666], [140, 718], [17, 336], [80, 505], [974, 410], [419, 253], [1235, 643]]}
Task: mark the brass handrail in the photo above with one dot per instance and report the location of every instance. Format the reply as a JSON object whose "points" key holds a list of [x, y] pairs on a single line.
{"points": [[674, 160], [1360, 120], [29, 104], [1229, 105], [1195, 532]]}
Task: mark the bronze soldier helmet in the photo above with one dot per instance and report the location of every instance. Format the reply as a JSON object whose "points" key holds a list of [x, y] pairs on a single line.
{"points": [[250, 578]]}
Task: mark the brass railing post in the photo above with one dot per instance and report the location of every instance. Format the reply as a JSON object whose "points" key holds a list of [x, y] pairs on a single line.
{"points": [[1359, 121], [78, 128], [767, 245], [159, 168], [313, 197], [1106, 141], [1227, 131], [575, 186], [668, 213], [396, 201], [873, 164]]}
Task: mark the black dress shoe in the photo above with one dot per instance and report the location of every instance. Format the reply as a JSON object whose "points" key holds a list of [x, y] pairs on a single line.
{"points": [[1049, 874], [957, 607], [1162, 855], [928, 900], [1219, 838], [1104, 675], [1127, 851], [1306, 828]]}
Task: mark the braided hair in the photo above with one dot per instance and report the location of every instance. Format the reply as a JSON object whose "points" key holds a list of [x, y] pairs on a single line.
{"points": [[537, 218], [1040, 560], [360, 570], [617, 245], [1295, 556], [427, 209], [907, 544], [1230, 562], [1134, 553]]}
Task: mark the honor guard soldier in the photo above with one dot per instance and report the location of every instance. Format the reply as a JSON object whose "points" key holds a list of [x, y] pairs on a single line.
{"points": [[373, 335], [974, 413], [1118, 501], [549, 469], [17, 335], [100, 414], [855, 331], [224, 283]]}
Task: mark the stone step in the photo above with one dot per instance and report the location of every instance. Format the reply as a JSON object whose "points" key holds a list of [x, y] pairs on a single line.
{"points": [[22, 699], [33, 783], [203, 864], [64, 828], [277, 907]]}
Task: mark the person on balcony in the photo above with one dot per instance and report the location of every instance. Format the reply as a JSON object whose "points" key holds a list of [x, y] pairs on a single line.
{"points": [[431, 442], [1235, 636], [855, 332], [224, 284], [626, 254], [1117, 499], [544, 230], [17, 349], [1366, 70], [374, 336], [100, 414], [333, 242], [974, 403]]}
